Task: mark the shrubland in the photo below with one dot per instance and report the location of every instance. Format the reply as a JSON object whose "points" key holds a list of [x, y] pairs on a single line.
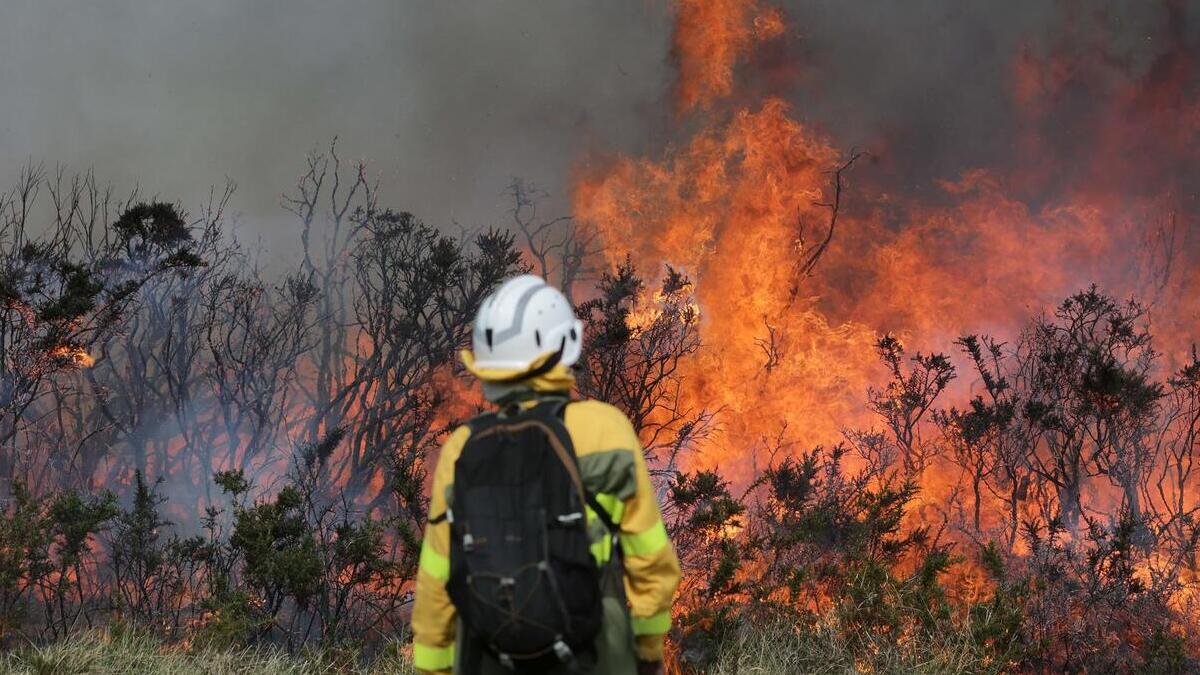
{"points": [[206, 470]]}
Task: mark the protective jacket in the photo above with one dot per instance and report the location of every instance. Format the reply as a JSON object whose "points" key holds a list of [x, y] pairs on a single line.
{"points": [[644, 572]]}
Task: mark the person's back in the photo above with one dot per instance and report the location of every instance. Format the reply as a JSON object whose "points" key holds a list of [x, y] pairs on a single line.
{"points": [[525, 339]]}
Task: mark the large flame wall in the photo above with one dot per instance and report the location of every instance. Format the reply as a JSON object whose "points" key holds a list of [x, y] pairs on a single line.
{"points": [[736, 202]]}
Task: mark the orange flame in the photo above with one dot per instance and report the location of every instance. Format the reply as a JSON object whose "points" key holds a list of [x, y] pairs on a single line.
{"points": [[737, 204], [75, 355], [710, 37]]}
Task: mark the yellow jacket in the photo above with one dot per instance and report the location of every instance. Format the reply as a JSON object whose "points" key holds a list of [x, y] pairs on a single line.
{"points": [[614, 470]]}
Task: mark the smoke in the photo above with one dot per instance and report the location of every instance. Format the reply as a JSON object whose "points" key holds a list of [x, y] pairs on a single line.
{"points": [[447, 100], [1094, 100], [931, 84]]}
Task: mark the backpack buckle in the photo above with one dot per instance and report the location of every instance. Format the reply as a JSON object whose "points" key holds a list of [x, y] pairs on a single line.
{"points": [[570, 518], [468, 542], [563, 652]]}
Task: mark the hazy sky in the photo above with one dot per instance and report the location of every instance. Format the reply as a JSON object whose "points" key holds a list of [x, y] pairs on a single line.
{"points": [[449, 99]]}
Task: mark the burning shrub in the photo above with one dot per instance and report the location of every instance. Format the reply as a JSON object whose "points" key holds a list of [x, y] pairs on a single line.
{"points": [[301, 566], [633, 348], [153, 571], [808, 543], [1082, 605], [66, 285], [279, 551], [24, 542], [51, 561], [839, 551]]}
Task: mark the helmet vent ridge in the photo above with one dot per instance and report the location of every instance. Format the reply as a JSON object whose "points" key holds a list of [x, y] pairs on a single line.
{"points": [[488, 335], [537, 336]]}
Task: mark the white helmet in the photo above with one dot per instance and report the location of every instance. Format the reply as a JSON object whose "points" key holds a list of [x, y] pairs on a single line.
{"points": [[523, 319]]}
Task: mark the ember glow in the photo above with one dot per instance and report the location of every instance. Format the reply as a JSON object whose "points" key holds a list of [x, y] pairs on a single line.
{"points": [[78, 357]]}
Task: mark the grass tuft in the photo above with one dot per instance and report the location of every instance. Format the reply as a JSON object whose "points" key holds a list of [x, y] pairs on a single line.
{"points": [[129, 652], [780, 649]]}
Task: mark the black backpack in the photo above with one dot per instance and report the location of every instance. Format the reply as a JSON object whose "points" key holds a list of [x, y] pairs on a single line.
{"points": [[522, 576]]}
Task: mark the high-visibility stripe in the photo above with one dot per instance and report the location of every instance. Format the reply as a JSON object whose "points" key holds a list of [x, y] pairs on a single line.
{"points": [[433, 563], [601, 550], [645, 543], [614, 507], [652, 625], [432, 658], [601, 546]]}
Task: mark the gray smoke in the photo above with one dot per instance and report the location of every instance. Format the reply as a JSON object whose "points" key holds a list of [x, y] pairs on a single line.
{"points": [[931, 82], [449, 100]]}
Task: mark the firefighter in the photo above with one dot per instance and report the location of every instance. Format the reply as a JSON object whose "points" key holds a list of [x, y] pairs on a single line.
{"points": [[524, 341]]}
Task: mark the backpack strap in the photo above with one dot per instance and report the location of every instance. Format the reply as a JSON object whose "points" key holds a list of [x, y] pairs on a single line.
{"points": [[482, 421], [556, 409], [475, 424], [600, 511], [553, 408]]}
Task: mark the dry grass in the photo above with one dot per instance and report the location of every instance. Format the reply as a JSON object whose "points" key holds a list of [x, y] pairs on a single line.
{"points": [[103, 653], [767, 650], [780, 650]]}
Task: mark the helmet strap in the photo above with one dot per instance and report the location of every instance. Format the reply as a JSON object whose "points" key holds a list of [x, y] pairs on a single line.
{"points": [[542, 369]]}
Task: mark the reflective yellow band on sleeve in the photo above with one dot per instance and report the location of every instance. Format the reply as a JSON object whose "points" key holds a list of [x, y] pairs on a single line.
{"points": [[652, 625], [601, 546], [602, 550], [612, 505], [645, 543], [433, 563], [432, 658]]}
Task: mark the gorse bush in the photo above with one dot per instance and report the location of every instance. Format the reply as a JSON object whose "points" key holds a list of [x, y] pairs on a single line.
{"points": [[294, 568]]}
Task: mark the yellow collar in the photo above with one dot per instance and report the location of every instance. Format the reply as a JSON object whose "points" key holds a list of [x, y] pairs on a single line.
{"points": [[558, 378]]}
